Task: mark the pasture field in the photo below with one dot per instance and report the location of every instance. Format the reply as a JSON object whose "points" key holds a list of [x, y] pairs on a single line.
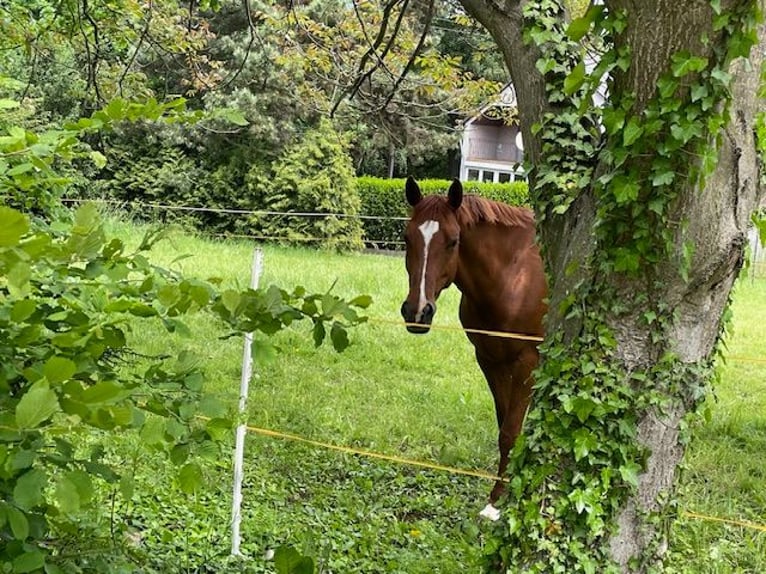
{"points": [[419, 397]]}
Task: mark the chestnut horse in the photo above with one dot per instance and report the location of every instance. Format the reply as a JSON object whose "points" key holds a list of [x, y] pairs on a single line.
{"points": [[488, 250]]}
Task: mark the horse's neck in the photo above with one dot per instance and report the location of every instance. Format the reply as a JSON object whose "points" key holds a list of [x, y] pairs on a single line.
{"points": [[487, 254]]}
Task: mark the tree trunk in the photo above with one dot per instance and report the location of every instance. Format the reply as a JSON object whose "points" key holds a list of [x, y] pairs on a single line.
{"points": [[710, 213]]}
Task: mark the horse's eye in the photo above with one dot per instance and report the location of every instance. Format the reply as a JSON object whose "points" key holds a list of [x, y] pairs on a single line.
{"points": [[452, 243]]}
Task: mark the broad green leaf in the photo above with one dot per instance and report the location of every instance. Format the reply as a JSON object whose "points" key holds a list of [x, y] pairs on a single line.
{"points": [[153, 431], [59, 369], [66, 495], [37, 405], [102, 392], [18, 522], [13, 225], [362, 301], [18, 279], [190, 477], [575, 79], [287, 560], [318, 333], [30, 561], [22, 310], [230, 300], [339, 337], [6, 104], [28, 491]]}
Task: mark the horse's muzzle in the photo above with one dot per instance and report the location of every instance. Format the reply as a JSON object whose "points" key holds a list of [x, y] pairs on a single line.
{"points": [[418, 323]]}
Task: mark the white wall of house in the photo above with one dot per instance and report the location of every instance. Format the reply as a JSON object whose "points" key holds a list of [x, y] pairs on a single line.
{"points": [[490, 149]]}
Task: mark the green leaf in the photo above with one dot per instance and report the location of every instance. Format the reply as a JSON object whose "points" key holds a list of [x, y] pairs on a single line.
{"points": [[230, 300], [318, 333], [102, 392], [632, 131], [13, 225], [66, 495], [6, 104], [339, 337], [28, 491], [236, 117], [22, 310], [362, 301], [264, 352], [629, 473], [684, 63], [127, 486], [37, 405], [59, 369], [30, 561], [18, 522], [287, 560], [190, 478], [98, 159], [575, 79]]}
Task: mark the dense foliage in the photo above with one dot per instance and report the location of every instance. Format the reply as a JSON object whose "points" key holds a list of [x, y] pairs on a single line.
{"points": [[385, 210], [72, 371]]}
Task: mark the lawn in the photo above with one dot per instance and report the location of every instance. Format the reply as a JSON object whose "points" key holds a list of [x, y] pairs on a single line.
{"points": [[418, 397]]}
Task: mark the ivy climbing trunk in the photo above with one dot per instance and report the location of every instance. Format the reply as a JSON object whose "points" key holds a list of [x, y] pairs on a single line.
{"points": [[643, 207]]}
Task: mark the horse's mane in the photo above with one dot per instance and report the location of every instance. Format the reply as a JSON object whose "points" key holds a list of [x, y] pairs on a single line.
{"points": [[475, 209]]}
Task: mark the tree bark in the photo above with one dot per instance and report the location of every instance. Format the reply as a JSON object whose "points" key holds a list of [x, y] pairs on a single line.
{"points": [[713, 216]]}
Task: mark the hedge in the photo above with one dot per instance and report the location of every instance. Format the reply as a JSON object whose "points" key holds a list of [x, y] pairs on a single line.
{"points": [[385, 198]]}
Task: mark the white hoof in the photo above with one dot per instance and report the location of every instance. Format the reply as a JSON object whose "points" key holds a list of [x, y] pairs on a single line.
{"points": [[490, 513]]}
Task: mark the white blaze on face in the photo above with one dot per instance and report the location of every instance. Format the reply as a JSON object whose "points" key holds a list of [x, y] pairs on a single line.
{"points": [[428, 229]]}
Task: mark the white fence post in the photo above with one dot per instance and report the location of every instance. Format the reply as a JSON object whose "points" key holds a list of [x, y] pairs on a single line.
{"points": [[239, 448]]}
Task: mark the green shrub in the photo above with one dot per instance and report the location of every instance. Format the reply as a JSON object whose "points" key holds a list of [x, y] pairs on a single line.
{"points": [[384, 198], [315, 175]]}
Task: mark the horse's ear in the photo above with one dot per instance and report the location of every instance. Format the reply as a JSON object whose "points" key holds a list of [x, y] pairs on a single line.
{"points": [[455, 194], [412, 191]]}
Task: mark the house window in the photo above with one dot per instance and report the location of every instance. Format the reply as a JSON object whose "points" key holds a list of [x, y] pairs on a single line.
{"points": [[487, 175], [504, 177], [473, 175]]}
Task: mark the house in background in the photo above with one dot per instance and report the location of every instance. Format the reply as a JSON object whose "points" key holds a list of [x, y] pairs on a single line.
{"points": [[490, 149]]}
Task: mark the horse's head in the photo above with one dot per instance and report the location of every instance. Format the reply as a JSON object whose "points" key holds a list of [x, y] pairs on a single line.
{"points": [[432, 237]]}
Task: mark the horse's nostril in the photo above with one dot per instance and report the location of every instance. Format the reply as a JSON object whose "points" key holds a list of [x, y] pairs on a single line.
{"points": [[428, 312], [406, 313]]}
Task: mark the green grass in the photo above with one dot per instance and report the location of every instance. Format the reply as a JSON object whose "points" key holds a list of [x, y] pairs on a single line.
{"points": [[419, 397]]}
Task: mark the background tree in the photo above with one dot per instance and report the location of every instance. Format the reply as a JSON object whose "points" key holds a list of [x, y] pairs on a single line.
{"points": [[643, 208]]}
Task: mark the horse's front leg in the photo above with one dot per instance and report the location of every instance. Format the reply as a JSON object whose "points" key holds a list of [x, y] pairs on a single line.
{"points": [[511, 386]]}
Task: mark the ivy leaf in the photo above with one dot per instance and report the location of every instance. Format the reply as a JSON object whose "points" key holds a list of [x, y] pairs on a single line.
{"points": [[684, 63], [37, 405], [629, 473], [632, 131], [575, 79]]}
